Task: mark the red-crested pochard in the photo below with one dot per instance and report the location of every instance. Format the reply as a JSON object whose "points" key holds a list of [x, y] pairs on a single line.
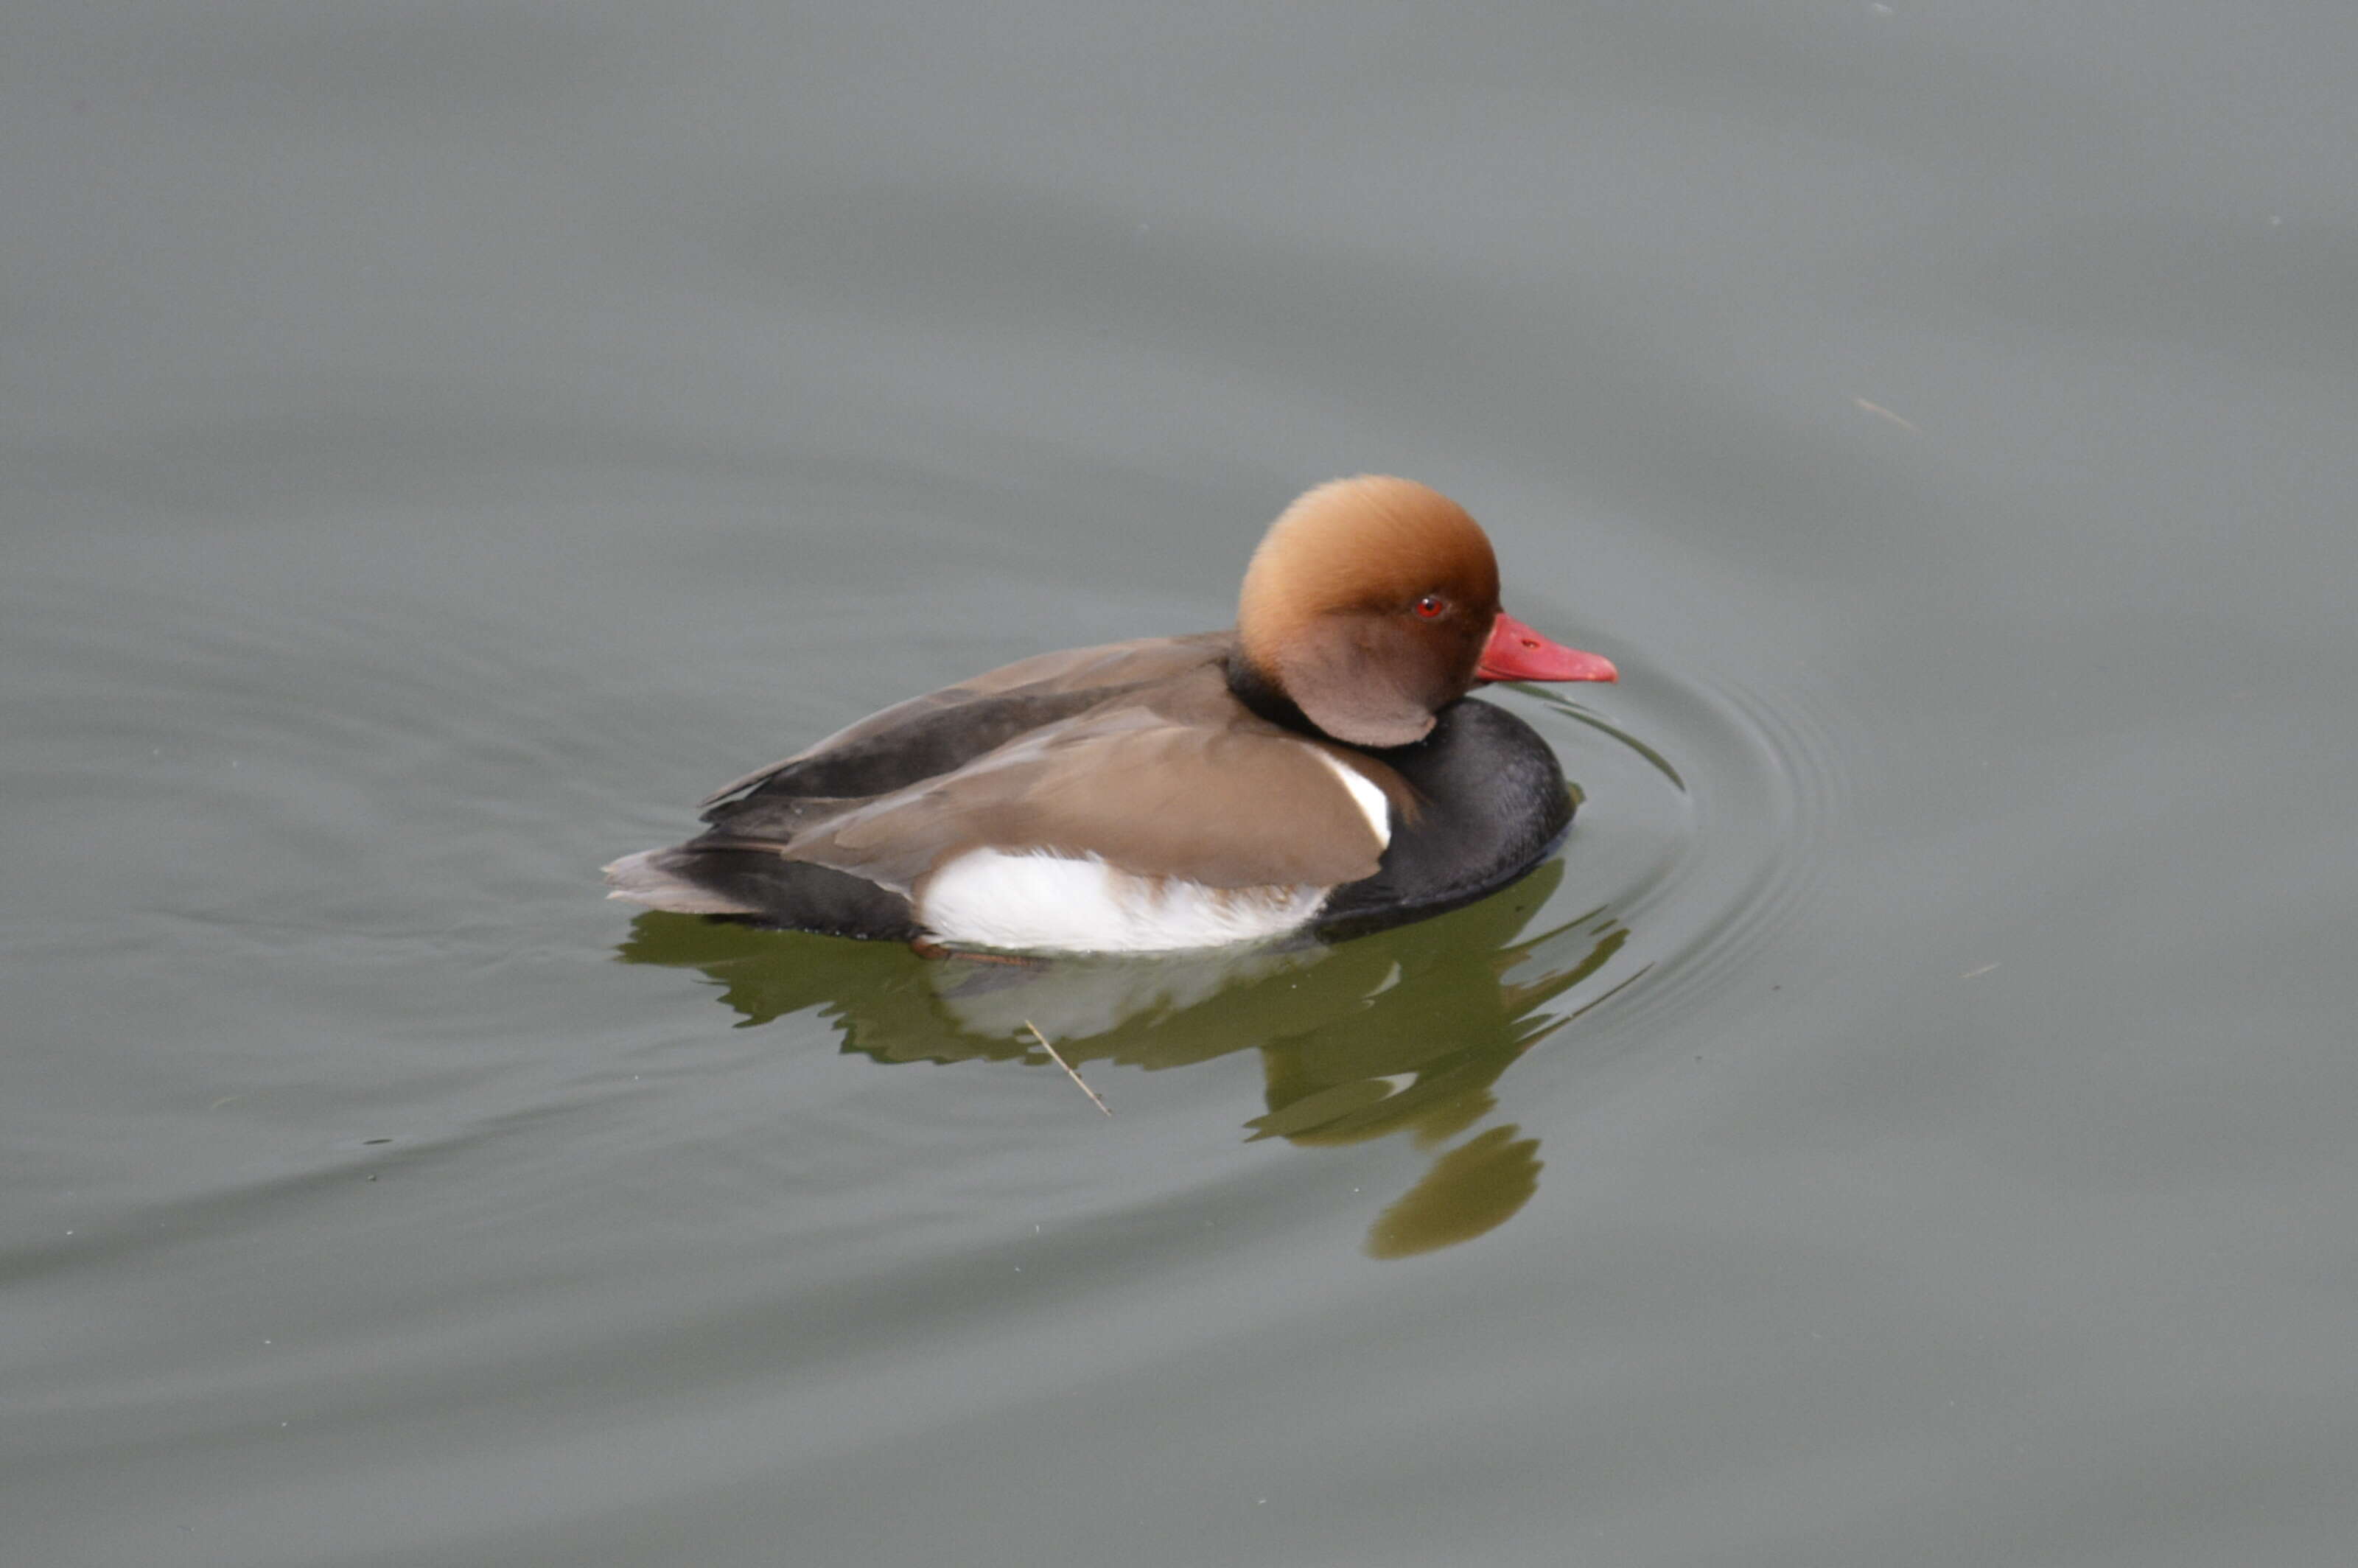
{"points": [[1319, 768]]}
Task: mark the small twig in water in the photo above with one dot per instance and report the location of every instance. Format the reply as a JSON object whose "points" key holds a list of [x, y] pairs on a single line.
{"points": [[1880, 412], [1057, 1056]]}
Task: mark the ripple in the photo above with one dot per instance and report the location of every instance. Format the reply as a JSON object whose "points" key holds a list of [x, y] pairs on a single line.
{"points": [[295, 763], [1697, 849], [352, 805], [1704, 832], [327, 861]]}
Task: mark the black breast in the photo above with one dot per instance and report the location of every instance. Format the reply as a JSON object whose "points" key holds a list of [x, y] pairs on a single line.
{"points": [[1494, 805]]}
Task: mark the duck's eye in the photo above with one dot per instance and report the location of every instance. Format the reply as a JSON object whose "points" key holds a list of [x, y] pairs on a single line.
{"points": [[1430, 607]]}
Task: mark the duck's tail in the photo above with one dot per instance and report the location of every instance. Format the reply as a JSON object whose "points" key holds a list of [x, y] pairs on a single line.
{"points": [[757, 884]]}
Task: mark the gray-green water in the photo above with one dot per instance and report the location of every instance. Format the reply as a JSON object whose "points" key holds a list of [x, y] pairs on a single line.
{"points": [[1910, 1123]]}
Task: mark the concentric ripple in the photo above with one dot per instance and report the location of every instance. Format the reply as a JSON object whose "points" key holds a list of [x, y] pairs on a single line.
{"points": [[1707, 805], [388, 813]]}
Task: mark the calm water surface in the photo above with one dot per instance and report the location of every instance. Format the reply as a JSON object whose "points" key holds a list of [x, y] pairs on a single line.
{"points": [[1909, 1123]]}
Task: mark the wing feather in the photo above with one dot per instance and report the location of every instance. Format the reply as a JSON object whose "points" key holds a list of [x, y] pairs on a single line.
{"points": [[1244, 807]]}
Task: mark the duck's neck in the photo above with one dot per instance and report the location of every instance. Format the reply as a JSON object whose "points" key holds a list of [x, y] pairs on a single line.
{"points": [[1259, 692]]}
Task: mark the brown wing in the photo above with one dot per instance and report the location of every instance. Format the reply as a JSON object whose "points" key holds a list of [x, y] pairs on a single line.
{"points": [[933, 734], [1237, 805]]}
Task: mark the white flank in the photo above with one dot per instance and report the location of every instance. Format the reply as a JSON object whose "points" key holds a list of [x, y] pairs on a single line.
{"points": [[1366, 795], [990, 898]]}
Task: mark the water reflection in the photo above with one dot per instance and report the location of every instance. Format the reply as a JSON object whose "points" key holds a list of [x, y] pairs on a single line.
{"points": [[1405, 1031]]}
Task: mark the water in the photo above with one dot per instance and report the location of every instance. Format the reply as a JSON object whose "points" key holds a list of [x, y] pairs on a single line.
{"points": [[1909, 1123]]}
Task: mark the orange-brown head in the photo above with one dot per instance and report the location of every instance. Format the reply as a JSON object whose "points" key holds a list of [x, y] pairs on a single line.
{"points": [[1373, 604]]}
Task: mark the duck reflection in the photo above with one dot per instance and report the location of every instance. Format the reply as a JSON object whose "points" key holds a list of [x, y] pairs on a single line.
{"points": [[1403, 1032]]}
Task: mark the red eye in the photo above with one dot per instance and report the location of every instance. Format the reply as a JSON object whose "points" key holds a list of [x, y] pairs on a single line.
{"points": [[1431, 606]]}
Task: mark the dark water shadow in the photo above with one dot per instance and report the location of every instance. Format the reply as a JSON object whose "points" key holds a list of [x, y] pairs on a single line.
{"points": [[1405, 1031]]}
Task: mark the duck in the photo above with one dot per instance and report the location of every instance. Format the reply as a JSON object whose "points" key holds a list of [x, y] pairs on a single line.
{"points": [[1319, 771]]}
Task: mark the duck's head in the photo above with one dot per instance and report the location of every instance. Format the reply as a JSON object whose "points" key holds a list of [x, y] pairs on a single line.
{"points": [[1373, 604]]}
